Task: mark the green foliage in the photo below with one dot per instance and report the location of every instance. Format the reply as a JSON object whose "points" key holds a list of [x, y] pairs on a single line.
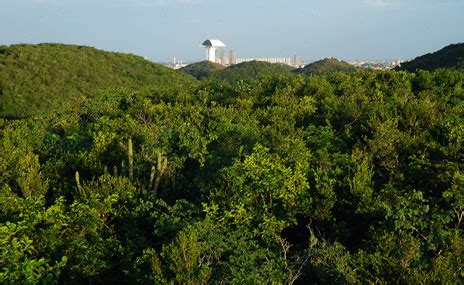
{"points": [[263, 193], [361, 185], [19, 261], [20, 165], [328, 179], [185, 260], [329, 263]]}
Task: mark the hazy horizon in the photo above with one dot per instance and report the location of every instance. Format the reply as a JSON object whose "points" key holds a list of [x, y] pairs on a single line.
{"points": [[163, 29]]}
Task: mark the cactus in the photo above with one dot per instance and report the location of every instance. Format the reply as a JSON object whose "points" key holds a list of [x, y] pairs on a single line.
{"points": [[78, 183], [130, 158], [115, 171], [162, 163], [123, 167], [152, 177], [105, 170]]}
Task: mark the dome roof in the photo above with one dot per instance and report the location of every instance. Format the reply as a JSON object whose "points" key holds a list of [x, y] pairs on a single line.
{"points": [[213, 43]]}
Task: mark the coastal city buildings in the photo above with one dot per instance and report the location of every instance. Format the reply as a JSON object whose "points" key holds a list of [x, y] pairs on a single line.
{"points": [[215, 52]]}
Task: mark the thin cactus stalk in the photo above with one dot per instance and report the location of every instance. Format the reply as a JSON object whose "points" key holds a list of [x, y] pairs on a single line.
{"points": [[161, 165], [105, 170], [123, 167], [130, 158], [152, 177], [158, 160], [78, 183], [115, 171]]}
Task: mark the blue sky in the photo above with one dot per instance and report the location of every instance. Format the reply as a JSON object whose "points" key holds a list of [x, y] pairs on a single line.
{"points": [[314, 29]]}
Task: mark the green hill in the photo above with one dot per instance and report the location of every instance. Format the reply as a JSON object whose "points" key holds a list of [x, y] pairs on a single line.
{"points": [[249, 71], [326, 65], [202, 69], [45, 77], [451, 56]]}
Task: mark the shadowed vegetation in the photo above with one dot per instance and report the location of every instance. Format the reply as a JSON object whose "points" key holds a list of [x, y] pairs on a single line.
{"points": [[451, 56], [202, 69], [326, 65]]}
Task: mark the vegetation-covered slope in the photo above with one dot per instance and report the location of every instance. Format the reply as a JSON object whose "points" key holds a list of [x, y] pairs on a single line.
{"points": [[326, 65], [249, 71], [35, 78], [202, 69], [451, 56], [345, 178]]}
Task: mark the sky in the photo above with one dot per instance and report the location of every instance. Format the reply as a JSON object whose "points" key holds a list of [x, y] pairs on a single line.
{"points": [[313, 29]]}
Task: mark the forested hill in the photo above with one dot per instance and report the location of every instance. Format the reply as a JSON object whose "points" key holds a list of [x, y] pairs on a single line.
{"points": [[202, 69], [44, 77], [249, 71], [326, 65], [451, 56]]}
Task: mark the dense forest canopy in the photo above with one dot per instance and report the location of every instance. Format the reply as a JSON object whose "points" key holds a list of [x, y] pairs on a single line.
{"points": [[326, 65], [451, 56], [327, 179], [202, 69], [249, 71], [43, 77]]}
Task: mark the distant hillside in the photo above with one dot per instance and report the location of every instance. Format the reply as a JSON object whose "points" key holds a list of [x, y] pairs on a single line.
{"points": [[45, 77], [451, 56], [249, 71], [326, 65], [202, 69]]}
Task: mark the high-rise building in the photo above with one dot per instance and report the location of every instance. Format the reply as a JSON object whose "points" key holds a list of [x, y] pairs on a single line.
{"points": [[211, 46], [297, 61], [220, 57], [223, 59], [232, 59], [282, 60]]}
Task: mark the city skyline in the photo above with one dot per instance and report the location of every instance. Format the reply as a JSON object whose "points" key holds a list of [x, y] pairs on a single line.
{"points": [[163, 29]]}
